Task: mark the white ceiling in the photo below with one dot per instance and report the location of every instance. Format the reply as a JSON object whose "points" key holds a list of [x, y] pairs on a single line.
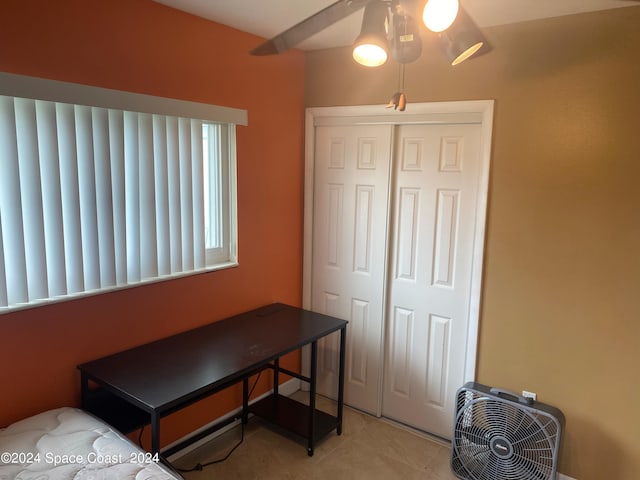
{"points": [[267, 18]]}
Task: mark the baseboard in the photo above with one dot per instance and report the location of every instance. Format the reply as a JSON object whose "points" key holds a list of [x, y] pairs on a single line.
{"points": [[564, 477], [287, 389]]}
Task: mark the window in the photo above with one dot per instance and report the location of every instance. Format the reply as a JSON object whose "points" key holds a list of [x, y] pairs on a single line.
{"points": [[94, 196], [217, 186]]}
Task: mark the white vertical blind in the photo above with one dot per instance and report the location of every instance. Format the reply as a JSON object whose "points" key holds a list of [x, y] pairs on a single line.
{"points": [[162, 193], [69, 192], [93, 198], [116, 150], [197, 176], [148, 237], [31, 198], [51, 198], [132, 199], [3, 286], [87, 190], [15, 276], [214, 172], [175, 210], [104, 197], [186, 195]]}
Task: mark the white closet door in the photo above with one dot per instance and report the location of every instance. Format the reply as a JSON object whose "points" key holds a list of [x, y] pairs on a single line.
{"points": [[434, 207], [351, 191]]}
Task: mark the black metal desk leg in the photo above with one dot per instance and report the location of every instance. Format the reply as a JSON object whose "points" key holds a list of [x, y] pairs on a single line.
{"points": [[343, 348], [276, 371], [155, 433], [312, 395], [245, 400], [84, 389]]}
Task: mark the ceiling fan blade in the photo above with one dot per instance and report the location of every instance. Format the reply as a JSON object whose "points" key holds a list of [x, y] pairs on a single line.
{"points": [[310, 26]]}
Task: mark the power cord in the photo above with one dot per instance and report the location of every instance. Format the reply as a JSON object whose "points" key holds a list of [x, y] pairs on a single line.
{"points": [[140, 437], [200, 466]]}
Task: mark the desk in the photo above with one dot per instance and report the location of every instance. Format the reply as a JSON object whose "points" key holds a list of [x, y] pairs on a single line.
{"points": [[141, 385]]}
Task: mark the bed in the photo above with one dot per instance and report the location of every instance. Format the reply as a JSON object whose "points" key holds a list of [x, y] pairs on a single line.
{"points": [[68, 443]]}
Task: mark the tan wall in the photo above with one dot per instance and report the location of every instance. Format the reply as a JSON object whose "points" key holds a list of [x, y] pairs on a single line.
{"points": [[560, 306]]}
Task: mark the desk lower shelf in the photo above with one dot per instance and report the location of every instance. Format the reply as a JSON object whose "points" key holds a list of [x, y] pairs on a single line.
{"points": [[276, 409], [118, 413], [294, 416]]}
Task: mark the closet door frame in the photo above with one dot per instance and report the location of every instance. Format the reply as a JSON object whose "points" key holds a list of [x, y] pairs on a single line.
{"points": [[474, 111]]}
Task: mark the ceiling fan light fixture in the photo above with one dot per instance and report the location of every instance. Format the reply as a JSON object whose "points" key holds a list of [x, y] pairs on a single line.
{"points": [[438, 15], [370, 55], [468, 52], [462, 40], [406, 45], [370, 48]]}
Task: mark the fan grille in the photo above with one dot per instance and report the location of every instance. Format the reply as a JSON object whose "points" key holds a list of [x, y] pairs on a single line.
{"points": [[496, 439]]}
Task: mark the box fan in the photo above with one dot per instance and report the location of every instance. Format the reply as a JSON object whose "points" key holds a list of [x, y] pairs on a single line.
{"points": [[499, 435]]}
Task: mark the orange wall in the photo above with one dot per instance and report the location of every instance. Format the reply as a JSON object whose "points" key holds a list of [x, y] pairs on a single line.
{"points": [[142, 46]]}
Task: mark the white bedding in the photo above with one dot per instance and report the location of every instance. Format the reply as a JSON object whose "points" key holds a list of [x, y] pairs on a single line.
{"points": [[68, 443]]}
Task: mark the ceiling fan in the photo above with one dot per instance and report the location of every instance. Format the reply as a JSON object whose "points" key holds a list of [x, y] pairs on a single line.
{"points": [[390, 28]]}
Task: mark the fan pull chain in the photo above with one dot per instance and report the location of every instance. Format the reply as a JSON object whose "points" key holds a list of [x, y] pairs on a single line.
{"points": [[398, 100]]}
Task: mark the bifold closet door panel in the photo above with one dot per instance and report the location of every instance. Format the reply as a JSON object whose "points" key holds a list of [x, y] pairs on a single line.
{"points": [[436, 181], [351, 194]]}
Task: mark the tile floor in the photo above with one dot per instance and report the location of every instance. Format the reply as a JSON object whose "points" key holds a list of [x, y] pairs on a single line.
{"points": [[369, 448]]}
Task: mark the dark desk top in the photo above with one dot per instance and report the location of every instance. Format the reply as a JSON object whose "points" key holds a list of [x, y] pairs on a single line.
{"points": [[170, 371]]}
